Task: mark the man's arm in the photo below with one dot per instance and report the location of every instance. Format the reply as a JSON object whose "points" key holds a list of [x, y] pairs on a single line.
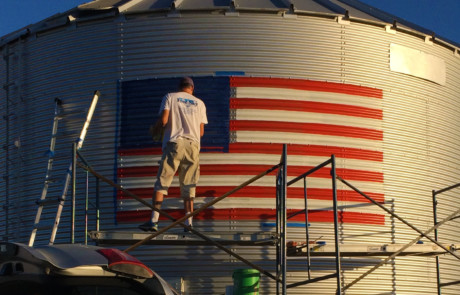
{"points": [[201, 129], [164, 117]]}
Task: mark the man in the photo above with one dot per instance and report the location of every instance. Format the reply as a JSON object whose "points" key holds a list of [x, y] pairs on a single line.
{"points": [[183, 117]]}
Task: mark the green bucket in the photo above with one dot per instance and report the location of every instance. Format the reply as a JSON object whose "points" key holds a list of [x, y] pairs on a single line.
{"points": [[246, 282]]}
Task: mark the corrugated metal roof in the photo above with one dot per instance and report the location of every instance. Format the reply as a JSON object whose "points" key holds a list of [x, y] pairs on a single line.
{"points": [[384, 16], [352, 9]]}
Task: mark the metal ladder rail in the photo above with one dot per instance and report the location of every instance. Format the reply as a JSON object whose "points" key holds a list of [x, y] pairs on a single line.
{"points": [[42, 201], [68, 178]]}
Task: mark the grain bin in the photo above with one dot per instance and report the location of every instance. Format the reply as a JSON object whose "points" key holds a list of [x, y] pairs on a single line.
{"points": [[324, 77]]}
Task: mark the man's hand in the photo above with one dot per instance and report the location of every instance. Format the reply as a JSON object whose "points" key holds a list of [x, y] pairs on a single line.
{"points": [[157, 131]]}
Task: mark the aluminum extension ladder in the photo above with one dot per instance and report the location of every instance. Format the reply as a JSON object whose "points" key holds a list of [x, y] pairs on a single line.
{"points": [[60, 201]]}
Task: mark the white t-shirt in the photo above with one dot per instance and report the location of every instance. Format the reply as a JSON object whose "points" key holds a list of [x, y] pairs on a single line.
{"points": [[186, 113]]}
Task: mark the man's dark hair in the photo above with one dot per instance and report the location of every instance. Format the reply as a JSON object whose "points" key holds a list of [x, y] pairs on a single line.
{"points": [[186, 82]]}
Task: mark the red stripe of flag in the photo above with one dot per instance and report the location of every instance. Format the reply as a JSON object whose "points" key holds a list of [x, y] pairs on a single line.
{"points": [[276, 149], [306, 150], [240, 169], [259, 192], [305, 106], [157, 151], [257, 214], [308, 85], [310, 128]]}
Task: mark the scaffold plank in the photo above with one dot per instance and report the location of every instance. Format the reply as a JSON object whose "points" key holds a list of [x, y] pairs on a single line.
{"points": [[349, 250], [183, 238], [294, 249]]}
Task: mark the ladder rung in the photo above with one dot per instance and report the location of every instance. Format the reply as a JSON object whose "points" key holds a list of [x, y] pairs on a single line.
{"points": [[50, 180], [49, 153], [54, 157], [48, 201], [69, 113], [67, 133], [62, 134], [44, 226]]}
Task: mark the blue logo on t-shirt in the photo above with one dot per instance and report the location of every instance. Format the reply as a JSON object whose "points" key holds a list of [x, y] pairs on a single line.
{"points": [[187, 102]]}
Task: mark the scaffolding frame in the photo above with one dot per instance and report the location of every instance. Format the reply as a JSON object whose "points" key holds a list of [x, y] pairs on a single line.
{"points": [[181, 220], [435, 222], [281, 222]]}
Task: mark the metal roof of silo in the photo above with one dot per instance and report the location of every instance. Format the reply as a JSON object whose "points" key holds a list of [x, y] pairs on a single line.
{"points": [[351, 9]]}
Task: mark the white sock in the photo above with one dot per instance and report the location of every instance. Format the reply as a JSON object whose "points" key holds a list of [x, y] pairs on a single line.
{"points": [[155, 216], [189, 220]]}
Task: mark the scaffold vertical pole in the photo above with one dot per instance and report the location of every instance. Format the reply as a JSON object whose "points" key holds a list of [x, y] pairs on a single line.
{"points": [[336, 225], [278, 231], [284, 219], [307, 234], [281, 223], [86, 207], [74, 192], [97, 205], [435, 221]]}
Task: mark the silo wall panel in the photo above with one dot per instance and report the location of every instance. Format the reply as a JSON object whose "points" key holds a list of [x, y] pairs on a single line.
{"points": [[68, 63], [420, 138], [11, 118], [252, 43]]}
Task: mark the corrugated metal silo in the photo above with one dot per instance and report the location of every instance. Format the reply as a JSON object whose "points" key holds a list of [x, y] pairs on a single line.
{"points": [[324, 77]]}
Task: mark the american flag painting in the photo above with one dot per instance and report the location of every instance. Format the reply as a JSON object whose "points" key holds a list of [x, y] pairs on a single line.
{"points": [[250, 118]]}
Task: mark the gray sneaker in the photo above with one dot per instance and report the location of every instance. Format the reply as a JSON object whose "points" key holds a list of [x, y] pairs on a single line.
{"points": [[149, 226]]}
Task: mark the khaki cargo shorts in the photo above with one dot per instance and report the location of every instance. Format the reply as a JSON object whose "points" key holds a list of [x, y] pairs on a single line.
{"points": [[182, 156]]}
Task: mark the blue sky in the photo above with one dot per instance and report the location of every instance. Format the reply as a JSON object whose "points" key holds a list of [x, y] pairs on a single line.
{"points": [[440, 16]]}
